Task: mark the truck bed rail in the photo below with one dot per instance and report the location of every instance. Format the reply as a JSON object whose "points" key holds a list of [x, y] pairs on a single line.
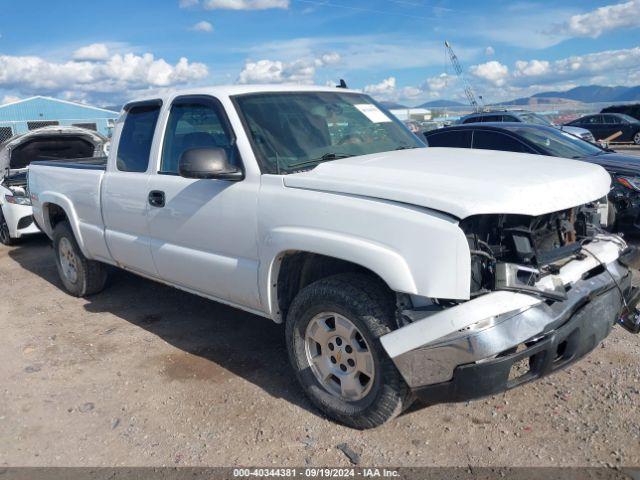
{"points": [[89, 163]]}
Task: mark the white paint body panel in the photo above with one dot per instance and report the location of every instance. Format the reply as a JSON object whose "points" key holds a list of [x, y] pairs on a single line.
{"points": [[394, 213], [463, 182]]}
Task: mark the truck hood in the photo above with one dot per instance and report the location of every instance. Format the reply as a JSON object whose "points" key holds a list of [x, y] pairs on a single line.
{"points": [[462, 182]]}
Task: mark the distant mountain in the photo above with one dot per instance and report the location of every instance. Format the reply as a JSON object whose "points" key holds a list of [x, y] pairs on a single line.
{"points": [[585, 94], [393, 105], [441, 104]]}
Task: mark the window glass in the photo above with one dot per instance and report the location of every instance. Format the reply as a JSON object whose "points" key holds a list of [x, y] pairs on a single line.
{"points": [[452, 139], [488, 140], [509, 118], [136, 138], [612, 120], [559, 143], [594, 119], [472, 120], [537, 119], [294, 131], [194, 123], [627, 118], [492, 118]]}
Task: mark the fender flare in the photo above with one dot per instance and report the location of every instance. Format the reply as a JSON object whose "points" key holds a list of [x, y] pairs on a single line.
{"points": [[53, 198], [385, 262]]}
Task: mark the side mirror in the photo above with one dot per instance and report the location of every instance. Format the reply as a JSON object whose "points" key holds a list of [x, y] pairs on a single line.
{"points": [[208, 163]]}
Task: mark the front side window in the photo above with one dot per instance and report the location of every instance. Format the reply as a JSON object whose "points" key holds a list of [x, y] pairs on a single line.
{"points": [[450, 139], [294, 131], [195, 123], [596, 119], [136, 138], [488, 140]]}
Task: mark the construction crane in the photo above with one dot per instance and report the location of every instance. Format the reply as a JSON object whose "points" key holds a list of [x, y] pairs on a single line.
{"points": [[468, 90]]}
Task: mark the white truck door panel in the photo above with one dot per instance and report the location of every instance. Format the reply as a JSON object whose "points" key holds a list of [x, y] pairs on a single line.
{"points": [[124, 189], [125, 207], [204, 236]]}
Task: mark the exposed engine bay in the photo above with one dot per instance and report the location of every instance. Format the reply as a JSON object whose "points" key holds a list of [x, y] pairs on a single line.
{"points": [[512, 252]]}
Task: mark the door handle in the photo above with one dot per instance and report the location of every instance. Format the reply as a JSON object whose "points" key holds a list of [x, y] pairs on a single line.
{"points": [[156, 198]]}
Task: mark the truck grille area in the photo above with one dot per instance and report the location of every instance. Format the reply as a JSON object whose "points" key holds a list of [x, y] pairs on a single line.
{"points": [[537, 242]]}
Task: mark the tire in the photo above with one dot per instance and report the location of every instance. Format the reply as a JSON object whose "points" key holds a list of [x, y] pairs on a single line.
{"points": [[636, 138], [368, 306], [80, 276], [5, 236], [612, 214]]}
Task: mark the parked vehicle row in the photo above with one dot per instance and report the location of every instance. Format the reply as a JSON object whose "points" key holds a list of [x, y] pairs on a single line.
{"points": [[399, 271], [524, 116], [605, 125], [47, 143], [624, 197]]}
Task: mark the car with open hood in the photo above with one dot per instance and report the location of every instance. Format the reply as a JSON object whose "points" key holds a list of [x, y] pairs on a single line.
{"points": [[17, 153], [399, 271]]}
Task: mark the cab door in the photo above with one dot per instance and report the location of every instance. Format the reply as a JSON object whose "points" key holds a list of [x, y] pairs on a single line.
{"points": [[124, 195], [204, 233]]}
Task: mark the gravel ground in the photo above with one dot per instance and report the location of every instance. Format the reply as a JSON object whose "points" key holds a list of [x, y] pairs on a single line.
{"points": [[145, 375]]}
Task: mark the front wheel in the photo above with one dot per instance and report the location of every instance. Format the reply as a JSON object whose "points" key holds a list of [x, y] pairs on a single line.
{"points": [[5, 236], [80, 276], [636, 138], [333, 331]]}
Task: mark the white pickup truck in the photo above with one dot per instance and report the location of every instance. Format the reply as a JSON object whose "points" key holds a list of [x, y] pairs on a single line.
{"points": [[400, 271]]}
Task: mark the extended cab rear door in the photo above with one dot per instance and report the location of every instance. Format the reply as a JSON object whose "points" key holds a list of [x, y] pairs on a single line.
{"points": [[204, 235], [125, 193]]}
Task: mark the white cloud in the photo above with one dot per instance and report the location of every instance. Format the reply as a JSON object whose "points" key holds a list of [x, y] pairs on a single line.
{"points": [[93, 52], [437, 83], [493, 71], [616, 65], [118, 76], [276, 71], [245, 4], [489, 51], [603, 19], [187, 3], [384, 88], [9, 99], [202, 26]]}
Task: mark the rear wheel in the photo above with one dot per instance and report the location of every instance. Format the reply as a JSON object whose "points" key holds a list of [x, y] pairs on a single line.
{"points": [[636, 138], [5, 236], [333, 331], [80, 276]]}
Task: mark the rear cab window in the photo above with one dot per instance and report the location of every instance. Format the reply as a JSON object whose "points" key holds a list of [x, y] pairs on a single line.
{"points": [[136, 138]]}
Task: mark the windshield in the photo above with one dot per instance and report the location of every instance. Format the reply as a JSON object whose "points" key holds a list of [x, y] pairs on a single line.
{"points": [[293, 131], [559, 143], [628, 118], [535, 119]]}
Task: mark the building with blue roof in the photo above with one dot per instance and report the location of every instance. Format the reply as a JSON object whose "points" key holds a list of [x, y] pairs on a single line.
{"points": [[35, 112]]}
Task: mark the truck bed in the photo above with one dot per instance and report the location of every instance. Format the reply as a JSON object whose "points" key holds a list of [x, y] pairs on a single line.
{"points": [[90, 163]]}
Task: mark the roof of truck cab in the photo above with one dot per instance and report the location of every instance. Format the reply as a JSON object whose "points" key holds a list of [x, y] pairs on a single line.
{"points": [[231, 90]]}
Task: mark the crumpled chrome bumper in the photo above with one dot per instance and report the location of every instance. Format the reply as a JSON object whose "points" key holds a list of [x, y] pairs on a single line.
{"points": [[488, 336]]}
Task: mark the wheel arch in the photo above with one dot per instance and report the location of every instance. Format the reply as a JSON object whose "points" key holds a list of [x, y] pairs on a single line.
{"points": [[310, 256], [55, 209]]}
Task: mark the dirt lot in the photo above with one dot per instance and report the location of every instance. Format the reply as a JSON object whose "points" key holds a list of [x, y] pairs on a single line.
{"points": [[143, 374]]}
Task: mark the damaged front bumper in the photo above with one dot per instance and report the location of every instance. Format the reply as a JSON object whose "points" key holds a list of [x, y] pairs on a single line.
{"points": [[504, 339]]}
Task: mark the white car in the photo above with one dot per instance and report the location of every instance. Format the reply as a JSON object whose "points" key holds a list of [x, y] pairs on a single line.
{"points": [[17, 153], [398, 270]]}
